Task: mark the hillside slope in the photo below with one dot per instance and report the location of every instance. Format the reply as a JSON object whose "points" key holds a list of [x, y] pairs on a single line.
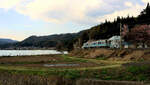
{"points": [[59, 41], [6, 41], [114, 54]]}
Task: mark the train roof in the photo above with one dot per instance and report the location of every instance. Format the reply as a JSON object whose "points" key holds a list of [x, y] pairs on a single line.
{"points": [[114, 38], [96, 41]]}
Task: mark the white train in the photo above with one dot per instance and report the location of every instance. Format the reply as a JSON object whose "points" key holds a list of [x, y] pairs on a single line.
{"points": [[113, 42]]}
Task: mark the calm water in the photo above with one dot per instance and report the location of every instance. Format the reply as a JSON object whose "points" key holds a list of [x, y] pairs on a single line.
{"points": [[28, 52], [60, 65]]}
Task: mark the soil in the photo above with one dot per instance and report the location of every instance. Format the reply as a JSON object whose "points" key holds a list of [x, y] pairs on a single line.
{"points": [[44, 58]]}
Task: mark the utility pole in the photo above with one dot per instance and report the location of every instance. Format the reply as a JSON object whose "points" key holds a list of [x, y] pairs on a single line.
{"points": [[79, 43], [120, 36]]}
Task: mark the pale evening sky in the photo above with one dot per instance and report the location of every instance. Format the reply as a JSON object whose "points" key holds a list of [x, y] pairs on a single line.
{"points": [[20, 19]]}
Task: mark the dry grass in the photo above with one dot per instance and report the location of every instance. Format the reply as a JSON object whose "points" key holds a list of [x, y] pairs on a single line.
{"points": [[135, 55], [114, 54], [21, 79], [18, 79], [96, 53], [39, 61], [103, 82], [21, 74], [44, 58]]}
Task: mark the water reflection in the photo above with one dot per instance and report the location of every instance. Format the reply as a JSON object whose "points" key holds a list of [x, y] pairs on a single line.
{"points": [[29, 52], [53, 65]]}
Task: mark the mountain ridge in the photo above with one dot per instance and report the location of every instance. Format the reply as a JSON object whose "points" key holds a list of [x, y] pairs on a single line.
{"points": [[7, 41]]}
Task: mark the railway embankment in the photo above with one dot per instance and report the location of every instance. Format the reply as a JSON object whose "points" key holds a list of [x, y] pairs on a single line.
{"points": [[113, 54]]}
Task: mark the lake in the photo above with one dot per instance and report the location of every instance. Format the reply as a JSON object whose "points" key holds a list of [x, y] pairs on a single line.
{"points": [[29, 52]]}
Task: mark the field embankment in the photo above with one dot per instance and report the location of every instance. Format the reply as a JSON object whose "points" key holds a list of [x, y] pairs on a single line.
{"points": [[114, 54], [30, 70]]}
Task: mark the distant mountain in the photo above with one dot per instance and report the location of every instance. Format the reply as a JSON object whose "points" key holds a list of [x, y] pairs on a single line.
{"points": [[59, 41], [7, 41]]}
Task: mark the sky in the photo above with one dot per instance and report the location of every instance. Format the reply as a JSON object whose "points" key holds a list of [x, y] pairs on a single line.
{"points": [[20, 19]]}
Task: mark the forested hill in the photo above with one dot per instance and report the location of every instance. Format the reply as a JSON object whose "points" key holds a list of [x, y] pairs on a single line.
{"points": [[108, 29], [101, 31], [6, 41], [59, 41]]}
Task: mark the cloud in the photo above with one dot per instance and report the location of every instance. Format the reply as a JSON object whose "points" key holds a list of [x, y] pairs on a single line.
{"points": [[59, 10], [132, 11], [76, 11], [8, 4], [146, 1], [128, 4]]}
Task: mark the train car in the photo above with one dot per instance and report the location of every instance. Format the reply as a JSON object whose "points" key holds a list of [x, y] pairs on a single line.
{"points": [[96, 44], [113, 42], [86, 45], [103, 43]]}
